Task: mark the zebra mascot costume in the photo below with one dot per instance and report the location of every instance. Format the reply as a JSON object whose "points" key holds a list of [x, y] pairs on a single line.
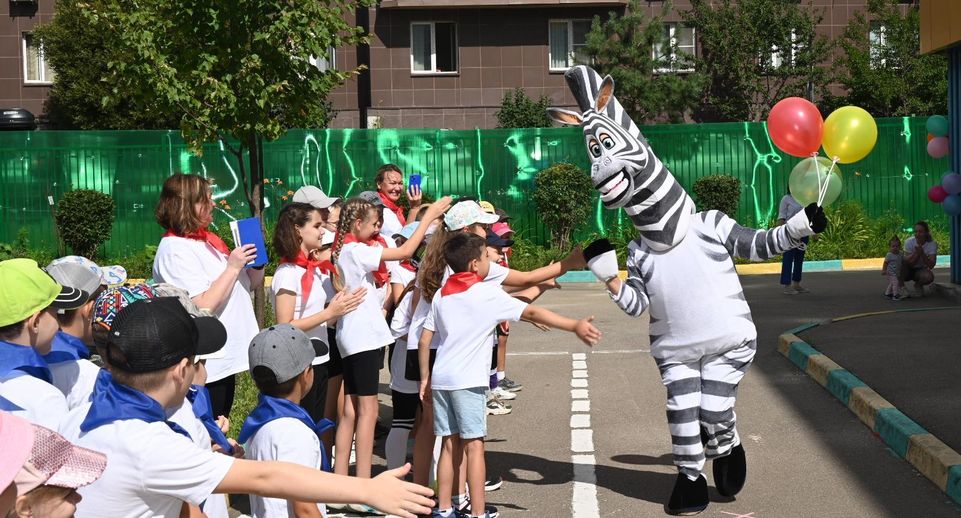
{"points": [[681, 268]]}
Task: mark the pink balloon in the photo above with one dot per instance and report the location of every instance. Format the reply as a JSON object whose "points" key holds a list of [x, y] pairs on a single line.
{"points": [[938, 147], [796, 126], [937, 194]]}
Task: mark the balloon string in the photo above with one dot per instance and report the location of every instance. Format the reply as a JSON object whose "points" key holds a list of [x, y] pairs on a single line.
{"points": [[824, 191], [817, 170]]}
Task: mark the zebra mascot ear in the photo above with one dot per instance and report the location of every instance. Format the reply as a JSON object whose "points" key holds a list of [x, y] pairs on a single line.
{"points": [[565, 116], [604, 94]]}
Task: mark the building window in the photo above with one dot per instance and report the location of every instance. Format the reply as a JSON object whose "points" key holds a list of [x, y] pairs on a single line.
{"points": [[327, 62], [780, 58], [35, 67], [678, 55], [433, 47], [568, 43], [878, 41]]}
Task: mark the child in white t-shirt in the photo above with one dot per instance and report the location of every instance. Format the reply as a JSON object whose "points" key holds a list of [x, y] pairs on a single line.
{"points": [[279, 428], [300, 286], [363, 334], [153, 466], [462, 316]]}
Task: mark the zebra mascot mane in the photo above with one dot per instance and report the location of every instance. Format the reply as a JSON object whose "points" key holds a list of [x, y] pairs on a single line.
{"points": [[624, 169]]}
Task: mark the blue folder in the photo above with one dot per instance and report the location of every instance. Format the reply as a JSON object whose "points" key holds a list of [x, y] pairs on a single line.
{"points": [[247, 232]]}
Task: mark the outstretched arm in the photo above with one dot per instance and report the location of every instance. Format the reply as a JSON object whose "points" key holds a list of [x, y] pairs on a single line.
{"points": [[761, 245], [630, 295]]}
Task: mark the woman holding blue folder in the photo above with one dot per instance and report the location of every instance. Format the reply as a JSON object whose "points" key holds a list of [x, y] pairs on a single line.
{"points": [[193, 258]]}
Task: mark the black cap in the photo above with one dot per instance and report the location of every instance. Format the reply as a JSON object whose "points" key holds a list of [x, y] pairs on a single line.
{"points": [[153, 334], [502, 214], [495, 240]]}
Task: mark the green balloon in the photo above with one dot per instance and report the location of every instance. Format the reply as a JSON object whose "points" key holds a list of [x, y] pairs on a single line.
{"points": [[809, 175], [937, 125]]}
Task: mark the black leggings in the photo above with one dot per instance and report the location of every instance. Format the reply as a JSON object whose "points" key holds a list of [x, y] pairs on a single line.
{"points": [[315, 399], [405, 409], [222, 395]]}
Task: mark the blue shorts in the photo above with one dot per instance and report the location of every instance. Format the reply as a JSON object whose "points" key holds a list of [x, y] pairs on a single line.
{"points": [[462, 412]]}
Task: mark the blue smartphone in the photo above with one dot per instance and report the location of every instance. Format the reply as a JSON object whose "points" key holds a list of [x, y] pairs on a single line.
{"points": [[414, 181]]}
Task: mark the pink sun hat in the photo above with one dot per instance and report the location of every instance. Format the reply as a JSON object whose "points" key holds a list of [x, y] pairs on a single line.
{"points": [[16, 441], [502, 229], [55, 461]]}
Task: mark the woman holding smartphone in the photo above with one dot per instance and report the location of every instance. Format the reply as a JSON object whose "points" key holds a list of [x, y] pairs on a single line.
{"points": [[390, 185]]}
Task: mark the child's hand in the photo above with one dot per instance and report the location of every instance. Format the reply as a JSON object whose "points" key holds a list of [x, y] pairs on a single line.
{"points": [[586, 331], [343, 302], [238, 450], [575, 260], [223, 423], [438, 208], [391, 495], [425, 391]]}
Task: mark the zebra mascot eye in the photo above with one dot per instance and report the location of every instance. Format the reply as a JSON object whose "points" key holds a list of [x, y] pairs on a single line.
{"points": [[594, 148], [607, 141]]}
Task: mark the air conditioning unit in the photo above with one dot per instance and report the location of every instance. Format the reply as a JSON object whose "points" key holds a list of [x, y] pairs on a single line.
{"points": [[374, 122]]}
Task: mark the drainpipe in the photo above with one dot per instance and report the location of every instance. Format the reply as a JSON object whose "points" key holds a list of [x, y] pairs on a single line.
{"points": [[363, 59]]}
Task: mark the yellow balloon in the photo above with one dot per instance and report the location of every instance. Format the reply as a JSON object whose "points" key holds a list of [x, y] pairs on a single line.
{"points": [[850, 133]]}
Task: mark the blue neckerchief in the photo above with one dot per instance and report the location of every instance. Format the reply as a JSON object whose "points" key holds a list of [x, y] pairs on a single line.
{"points": [[200, 402], [269, 408], [112, 402], [66, 348], [22, 358], [9, 406]]}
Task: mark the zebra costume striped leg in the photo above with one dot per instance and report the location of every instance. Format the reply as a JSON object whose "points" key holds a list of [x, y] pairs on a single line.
{"points": [[700, 406]]}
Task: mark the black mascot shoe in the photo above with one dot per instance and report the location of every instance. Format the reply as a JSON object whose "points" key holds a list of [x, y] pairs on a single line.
{"points": [[689, 497], [730, 471]]}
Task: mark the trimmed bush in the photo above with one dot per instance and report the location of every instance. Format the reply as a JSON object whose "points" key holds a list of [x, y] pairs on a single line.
{"points": [[520, 111], [717, 192], [563, 195], [84, 220]]}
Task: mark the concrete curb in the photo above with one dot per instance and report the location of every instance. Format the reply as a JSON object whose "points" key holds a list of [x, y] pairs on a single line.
{"points": [[934, 459]]}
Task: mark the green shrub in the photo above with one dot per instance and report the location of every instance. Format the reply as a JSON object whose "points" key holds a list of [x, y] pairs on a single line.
{"points": [[84, 220], [138, 265], [520, 111], [563, 194], [527, 256], [717, 192]]}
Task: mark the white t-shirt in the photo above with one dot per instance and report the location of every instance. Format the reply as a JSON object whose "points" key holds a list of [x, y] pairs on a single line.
{"points": [[75, 379], [788, 208], [463, 324], [151, 470], [402, 313], [216, 504], [288, 278], [365, 328], [929, 248], [289, 440], [495, 276], [42, 403], [392, 224], [194, 265]]}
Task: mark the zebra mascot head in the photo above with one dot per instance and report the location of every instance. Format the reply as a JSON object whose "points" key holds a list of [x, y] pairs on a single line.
{"points": [[624, 169]]}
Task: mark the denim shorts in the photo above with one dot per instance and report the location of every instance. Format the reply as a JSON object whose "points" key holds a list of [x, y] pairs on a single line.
{"points": [[462, 412]]}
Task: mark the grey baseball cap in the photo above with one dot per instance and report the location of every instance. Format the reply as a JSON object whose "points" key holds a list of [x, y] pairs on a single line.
{"points": [[314, 196], [372, 197], [74, 275], [282, 352]]}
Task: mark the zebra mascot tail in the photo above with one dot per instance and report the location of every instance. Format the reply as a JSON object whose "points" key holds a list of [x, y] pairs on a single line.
{"points": [[624, 169]]}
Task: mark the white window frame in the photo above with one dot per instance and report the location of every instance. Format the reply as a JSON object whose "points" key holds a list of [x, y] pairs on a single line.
{"points": [[570, 42], [777, 60], [433, 50], [41, 69], [672, 43], [323, 64], [877, 42]]}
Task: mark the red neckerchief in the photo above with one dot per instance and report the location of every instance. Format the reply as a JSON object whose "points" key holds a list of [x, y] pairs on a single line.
{"points": [[459, 282], [381, 275], [396, 209], [203, 235], [307, 279], [407, 266]]}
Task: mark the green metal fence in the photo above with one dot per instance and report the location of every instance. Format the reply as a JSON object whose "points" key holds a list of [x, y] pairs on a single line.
{"points": [[37, 168]]}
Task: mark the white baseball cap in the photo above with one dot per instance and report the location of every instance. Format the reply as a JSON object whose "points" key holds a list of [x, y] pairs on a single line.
{"points": [[466, 213], [314, 196]]}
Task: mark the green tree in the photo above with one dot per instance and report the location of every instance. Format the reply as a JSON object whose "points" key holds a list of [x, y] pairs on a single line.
{"points": [[520, 111], [755, 53], [80, 53], [238, 71], [882, 69], [651, 84], [84, 220], [563, 194]]}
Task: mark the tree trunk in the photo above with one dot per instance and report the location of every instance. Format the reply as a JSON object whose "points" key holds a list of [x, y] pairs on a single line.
{"points": [[255, 197]]}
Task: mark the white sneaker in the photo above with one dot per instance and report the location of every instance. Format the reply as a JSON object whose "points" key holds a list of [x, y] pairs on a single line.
{"points": [[496, 407], [503, 395]]}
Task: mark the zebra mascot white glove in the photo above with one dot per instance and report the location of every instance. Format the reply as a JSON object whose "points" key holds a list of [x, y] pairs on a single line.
{"points": [[602, 259]]}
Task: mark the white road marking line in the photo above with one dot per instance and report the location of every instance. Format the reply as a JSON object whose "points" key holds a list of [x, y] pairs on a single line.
{"points": [[538, 353], [621, 351], [584, 494], [580, 405]]}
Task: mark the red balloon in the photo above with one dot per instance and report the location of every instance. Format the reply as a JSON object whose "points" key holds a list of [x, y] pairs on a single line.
{"points": [[796, 126], [937, 194]]}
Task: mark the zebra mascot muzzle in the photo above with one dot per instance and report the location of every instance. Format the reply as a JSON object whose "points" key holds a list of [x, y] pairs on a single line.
{"points": [[681, 271], [624, 169]]}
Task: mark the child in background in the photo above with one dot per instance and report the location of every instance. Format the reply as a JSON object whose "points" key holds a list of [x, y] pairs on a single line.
{"points": [[363, 334], [69, 357], [893, 262], [279, 428], [463, 317], [298, 290], [29, 299]]}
